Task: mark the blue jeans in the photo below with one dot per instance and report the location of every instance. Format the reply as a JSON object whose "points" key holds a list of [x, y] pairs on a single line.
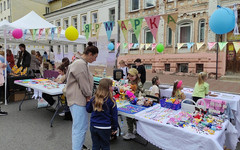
{"points": [[100, 138], [79, 126]]}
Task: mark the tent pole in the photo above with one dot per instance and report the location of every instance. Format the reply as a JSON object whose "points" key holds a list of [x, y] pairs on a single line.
{"points": [[5, 55]]}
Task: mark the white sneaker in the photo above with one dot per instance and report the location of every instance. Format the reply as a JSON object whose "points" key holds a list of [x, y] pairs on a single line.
{"points": [[62, 114], [129, 136]]}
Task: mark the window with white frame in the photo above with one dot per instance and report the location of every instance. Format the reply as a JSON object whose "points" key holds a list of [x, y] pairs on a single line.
{"points": [[148, 37], [184, 33], [59, 49], [112, 14], [74, 48], [66, 24], [94, 18], [148, 66], [134, 5], [47, 10], [201, 31], [66, 49], [169, 36], [84, 21], [4, 5], [149, 3], [133, 40], [8, 4], [74, 22], [58, 23]]}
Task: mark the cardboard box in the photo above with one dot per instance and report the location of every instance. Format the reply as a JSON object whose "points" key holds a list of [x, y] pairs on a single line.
{"points": [[17, 96]]}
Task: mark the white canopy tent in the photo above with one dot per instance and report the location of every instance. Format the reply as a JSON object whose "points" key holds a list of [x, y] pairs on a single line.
{"points": [[33, 21]]}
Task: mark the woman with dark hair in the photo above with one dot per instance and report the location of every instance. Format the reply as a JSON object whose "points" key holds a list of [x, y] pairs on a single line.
{"points": [[78, 91], [10, 58], [39, 57]]}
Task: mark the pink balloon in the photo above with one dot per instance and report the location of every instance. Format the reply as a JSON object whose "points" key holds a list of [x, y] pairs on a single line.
{"points": [[17, 33]]}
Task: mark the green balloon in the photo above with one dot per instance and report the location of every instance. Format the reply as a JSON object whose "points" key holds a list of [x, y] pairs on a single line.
{"points": [[160, 48]]}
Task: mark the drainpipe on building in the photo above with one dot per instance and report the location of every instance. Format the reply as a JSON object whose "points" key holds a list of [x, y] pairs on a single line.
{"points": [[118, 34]]}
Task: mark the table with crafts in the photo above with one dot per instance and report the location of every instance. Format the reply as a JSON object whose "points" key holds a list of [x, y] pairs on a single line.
{"points": [[232, 99], [154, 124], [44, 86]]}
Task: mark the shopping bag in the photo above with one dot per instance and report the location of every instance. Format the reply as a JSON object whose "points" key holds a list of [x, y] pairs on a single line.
{"points": [[42, 103]]}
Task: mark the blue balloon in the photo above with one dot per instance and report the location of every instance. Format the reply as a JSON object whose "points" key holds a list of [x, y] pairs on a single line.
{"points": [[110, 46], [222, 20]]}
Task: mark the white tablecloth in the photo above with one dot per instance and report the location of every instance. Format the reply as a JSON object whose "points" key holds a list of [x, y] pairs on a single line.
{"points": [[231, 99], [169, 137]]}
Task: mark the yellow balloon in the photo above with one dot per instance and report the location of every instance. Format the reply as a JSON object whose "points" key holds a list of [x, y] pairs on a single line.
{"points": [[71, 33]]}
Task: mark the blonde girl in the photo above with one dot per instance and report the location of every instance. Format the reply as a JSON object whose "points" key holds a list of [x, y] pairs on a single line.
{"points": [[104, 118], [201, 88]]}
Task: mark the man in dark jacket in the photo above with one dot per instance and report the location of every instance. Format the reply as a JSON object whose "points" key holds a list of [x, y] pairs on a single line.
{"points": [[141, 70], [24, 57]]}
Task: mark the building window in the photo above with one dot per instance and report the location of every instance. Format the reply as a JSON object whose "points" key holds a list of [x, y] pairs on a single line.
{"points": [[94, 18], [148, 66], [184, 33], [134, 5], [84, 21], [167, 67], [199, 68], [148, 37], [150, 3], [183, 67], [47, 10], [74, 22], [59, 49], [65, 24], [169, 36], [74, 48], [201, 31], [112, 14], [8, 4], [58, 24], [4, 5], [66, 49]]}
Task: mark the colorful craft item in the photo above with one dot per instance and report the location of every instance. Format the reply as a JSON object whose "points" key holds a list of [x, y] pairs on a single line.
{"points": [[131, 109]]}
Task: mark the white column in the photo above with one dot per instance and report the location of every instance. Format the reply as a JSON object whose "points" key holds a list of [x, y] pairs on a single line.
{"points": [[70, 21], [78, 23]]}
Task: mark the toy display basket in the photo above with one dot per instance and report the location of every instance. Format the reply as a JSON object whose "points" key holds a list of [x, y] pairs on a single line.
{"points": [[169, 105], [188, 105]]}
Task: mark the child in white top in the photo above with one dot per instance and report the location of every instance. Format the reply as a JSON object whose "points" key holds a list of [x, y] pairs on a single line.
{"points": [[155, 91], [124, 67]]}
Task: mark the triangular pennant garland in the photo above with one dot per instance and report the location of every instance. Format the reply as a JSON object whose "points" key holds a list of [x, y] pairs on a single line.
{"points": [[87, 30], [189, 45], [171, 20], [34, 33], [142, 46], [123, 26], [109, 28], [148, 46], [154, 45], [153, 23], [53, 32], [135, 45], [236, 46], [222, 45], [211, 44], [59, 30], [97, 28], [130, 45], [24, 34], [40, 33], [199, 45], [117, 45], [47, 30], [125, 45], [136, 25], [180, 45]]}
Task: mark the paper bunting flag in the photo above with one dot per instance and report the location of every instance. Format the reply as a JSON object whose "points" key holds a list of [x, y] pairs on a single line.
{"points": [[117, 45], [135, 45], [130, 45], [148, 46], [87, 30], [34, 33], [171, 20], [97, 28], [123, 26], [136, 25], [142, 46], [189, 45], [153, 46], [199, 45], [236, 46], [180, 45], [109, 27], [59, 30], [47, 30], [53, 32], [211, 44], [153, 23], [222, 45], [125, 45], [40, 33], [31, 31]]}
